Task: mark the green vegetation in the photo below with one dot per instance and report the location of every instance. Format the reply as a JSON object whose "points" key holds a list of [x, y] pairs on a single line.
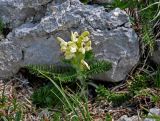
{"points": [[115, 98], [84, 1], [153, 116], [139, 82], [1, 26], [108, 117], [157, 78], [141, 86], [43, 97], [10, 109]]}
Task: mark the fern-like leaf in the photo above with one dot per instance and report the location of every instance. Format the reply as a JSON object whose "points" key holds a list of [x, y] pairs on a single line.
{"points": [[115, 98], [97, 67], [58, 73]]}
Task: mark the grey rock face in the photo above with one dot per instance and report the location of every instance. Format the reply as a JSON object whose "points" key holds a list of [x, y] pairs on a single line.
{"points": [[112, 37], [10, 56], [17, 12]]}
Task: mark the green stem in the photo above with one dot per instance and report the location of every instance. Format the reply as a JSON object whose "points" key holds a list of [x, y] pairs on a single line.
{"points": [[83, 85]]}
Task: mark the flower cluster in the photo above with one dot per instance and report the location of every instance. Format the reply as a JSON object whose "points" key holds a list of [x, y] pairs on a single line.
{"points": [[76, 47]]}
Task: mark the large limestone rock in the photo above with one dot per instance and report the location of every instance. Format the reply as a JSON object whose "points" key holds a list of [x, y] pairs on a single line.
{"points": [[33, 40], [16, 12]]}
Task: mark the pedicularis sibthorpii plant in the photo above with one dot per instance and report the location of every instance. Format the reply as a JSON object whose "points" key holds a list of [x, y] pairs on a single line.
{"points": [[80, 61], [79, 69]]}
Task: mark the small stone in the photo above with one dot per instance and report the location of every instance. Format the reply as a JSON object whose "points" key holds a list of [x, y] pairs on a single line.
{"points": [[1, 36], [126, 118], [155, 111]]}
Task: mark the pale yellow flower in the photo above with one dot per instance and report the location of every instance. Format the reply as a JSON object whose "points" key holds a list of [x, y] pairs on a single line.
{"points": [[69, 55], [73, 49], [88, 46], [63, 48], [85, 34], [60, 40], [79, 44], [72, 46], [63, 44], [82, 50], [85, 64], [74, 36], [86, 39]]}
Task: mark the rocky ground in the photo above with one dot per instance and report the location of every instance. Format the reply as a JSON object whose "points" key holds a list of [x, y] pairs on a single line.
{"points": [[17, 94]]}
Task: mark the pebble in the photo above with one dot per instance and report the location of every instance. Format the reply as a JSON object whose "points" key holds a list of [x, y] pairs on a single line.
{"points": [[126, 118], [154, 111]]}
